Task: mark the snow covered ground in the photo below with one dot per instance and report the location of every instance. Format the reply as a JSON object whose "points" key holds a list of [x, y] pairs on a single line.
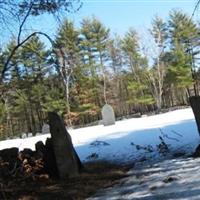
{"points": [[117, 142], [169, 180], [137, 139]]}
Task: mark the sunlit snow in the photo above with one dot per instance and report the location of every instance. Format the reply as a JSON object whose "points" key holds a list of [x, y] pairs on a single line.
{"points": [[178, 125], [151, 179]]}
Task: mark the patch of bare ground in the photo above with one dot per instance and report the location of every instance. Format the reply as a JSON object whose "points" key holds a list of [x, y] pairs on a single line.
{"points": [[96, 175]]}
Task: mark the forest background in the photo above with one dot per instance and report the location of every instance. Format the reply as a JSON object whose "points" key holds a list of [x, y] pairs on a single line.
{"points": [[88, 66]]}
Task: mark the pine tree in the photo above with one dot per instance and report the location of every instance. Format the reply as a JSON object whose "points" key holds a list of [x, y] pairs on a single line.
{"points": [[94, 43], [137, 64], [182, 32], [28, 70], [116, 78]]}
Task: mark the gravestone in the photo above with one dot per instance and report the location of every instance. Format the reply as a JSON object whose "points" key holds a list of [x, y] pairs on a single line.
{"points": [[45, 129], [23, 135], [108, 115], [67, 160], [30, 135]]}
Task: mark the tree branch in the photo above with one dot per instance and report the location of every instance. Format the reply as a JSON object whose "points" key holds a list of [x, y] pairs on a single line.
{"points": [[195, 9], [6, 66], [23, 22]]}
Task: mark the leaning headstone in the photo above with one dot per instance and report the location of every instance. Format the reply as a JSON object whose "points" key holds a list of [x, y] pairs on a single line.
{"points": [[68, 163], [45, 129], [108, 115]]}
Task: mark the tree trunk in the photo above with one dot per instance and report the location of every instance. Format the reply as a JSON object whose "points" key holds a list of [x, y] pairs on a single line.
{"points": [[67, 160], [195, 104]]}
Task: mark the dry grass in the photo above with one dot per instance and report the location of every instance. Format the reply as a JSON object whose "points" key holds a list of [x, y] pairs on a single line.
{"points": [[95, 176]]}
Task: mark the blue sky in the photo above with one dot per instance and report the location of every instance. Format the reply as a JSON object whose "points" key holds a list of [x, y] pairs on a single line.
{"points": [[118, 15]]}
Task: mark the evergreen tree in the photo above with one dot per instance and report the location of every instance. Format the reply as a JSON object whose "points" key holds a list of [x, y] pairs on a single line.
{"points": [[183, 36], [95, 40], [32, 71], [138, 66], [117, 88]]}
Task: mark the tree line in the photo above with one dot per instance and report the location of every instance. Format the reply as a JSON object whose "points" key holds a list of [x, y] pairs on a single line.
{"points": [[87, 67]]}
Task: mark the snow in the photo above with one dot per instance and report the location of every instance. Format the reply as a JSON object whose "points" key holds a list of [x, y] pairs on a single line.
{"points": [[113, 142], [149, 179], [150, 182], [179, 124]]}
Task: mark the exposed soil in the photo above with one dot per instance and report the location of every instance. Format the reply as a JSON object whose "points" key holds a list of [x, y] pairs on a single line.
{"points": [[96, 175]]}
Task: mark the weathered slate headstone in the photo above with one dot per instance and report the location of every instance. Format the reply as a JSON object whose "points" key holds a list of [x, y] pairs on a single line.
{"points": [[108, 115], [68, 163]]}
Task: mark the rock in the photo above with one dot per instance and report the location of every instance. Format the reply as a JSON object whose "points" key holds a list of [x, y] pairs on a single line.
{"points": [[9, 154], [68, 162], [46, 153], [27, 153], [40, 149], [8, 161], [50, 165], [31, 162], [108, 115], [39, 146], [4, 170]]}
